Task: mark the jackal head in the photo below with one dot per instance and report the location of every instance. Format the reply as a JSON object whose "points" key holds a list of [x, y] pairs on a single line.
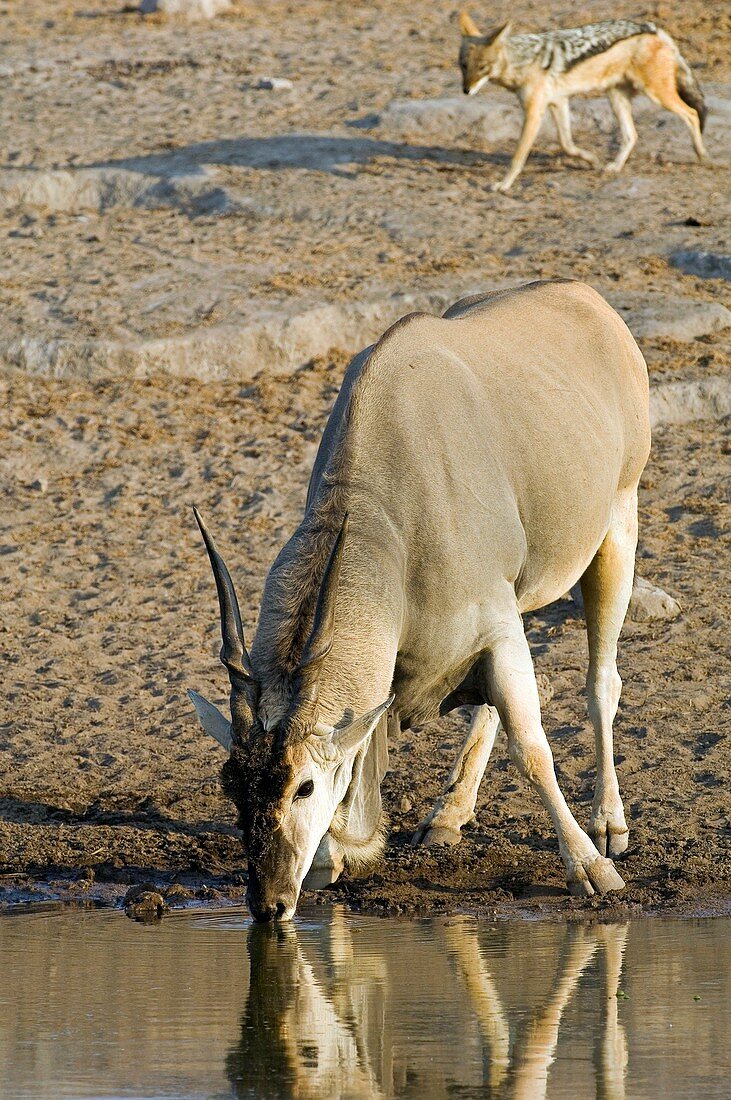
{"points": [[480, 55]]}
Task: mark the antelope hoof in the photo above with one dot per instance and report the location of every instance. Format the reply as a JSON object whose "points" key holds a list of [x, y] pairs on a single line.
{"points": [[594, 876], [439, 837], [432, 835], [609, 839], [608, 828]]}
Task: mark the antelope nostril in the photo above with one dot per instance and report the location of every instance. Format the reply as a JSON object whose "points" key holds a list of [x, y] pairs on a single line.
{"points": [[281, 910]]}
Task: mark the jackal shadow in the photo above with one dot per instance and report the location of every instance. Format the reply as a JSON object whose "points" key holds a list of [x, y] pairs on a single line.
{"points": [[312, 152]]}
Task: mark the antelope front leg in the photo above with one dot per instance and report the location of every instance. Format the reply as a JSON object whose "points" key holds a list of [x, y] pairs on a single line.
{"points": [[511, 685], [327, 866], [535, 1052], [456, 805], [535, 108], [610, 1056]]}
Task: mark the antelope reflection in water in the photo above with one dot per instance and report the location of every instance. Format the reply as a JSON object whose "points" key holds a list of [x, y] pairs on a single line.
{"points": [[337, 1023]]}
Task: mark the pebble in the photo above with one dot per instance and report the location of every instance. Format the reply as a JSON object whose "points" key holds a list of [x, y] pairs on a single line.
{"points": [[144, 903], [275, 84]]}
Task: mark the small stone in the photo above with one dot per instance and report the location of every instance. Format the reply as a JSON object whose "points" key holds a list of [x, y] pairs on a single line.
{"points": [[405, 805], [178, 893], [275, 84], [706, 265], [143, 903], [650, 603], [191, 10], [40, 485]]}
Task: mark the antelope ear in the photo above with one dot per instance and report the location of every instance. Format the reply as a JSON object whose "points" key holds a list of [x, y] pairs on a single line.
{"points": [[351, 737], [213, 722], [468, 26]]}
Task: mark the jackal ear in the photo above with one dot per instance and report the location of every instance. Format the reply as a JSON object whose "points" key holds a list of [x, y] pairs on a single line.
{"points": [[351, 737], [468, 26], [214, 723], [501, 35]]}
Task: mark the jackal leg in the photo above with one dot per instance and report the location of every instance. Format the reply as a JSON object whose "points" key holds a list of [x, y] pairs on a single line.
{"points": [[511, 686], [663, 90], [562, 118], [621, 103], [535, 108], [456, 805], [606, 587]]}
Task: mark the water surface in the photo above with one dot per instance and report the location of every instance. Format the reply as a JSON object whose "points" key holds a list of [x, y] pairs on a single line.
{"points": [[339, 1005]]}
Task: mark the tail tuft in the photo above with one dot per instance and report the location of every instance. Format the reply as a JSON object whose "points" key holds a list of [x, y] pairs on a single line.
{"points": [[690, 92]]}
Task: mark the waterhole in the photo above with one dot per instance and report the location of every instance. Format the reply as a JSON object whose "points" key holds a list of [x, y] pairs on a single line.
{"points": [[337, 1005]]}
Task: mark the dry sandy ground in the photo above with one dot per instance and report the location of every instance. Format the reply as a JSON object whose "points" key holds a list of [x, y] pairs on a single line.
{"points": [[108, 604]]}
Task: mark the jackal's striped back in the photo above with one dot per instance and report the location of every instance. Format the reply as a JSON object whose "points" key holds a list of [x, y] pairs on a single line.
{"points": [[559, 51]]}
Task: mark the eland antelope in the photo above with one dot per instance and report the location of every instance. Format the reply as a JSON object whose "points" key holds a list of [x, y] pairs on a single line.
{"points": [[473, 468]]}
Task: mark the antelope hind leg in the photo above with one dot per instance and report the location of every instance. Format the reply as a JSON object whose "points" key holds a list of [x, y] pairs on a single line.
{"points": [[606, 587], [456, 805]]}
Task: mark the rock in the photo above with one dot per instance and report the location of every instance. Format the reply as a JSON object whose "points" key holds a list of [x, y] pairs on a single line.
{"points": [[275, 84], [95, 190], [144, 903], [405, 805], [678, 319], [280, 341], [191, 10], [707, 265], [177, 893], [489, 120], [684, 402], [649, 603]]}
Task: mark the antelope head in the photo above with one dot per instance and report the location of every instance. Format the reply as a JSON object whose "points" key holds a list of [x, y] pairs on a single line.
{"points": [[480, 55], [289, 778]]}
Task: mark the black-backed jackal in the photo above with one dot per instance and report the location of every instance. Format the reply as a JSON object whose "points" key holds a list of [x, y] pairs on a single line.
{"points": [[618, 58]]}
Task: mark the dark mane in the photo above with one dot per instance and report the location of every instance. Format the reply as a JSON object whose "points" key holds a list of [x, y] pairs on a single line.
{"points": [[294, 580]]}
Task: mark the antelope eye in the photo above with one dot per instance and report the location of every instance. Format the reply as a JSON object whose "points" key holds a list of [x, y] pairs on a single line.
{"points": [[305, 789]]}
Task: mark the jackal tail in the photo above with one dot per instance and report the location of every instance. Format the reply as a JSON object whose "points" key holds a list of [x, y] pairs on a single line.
{"points": [[685, 82], [689, 90]]}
